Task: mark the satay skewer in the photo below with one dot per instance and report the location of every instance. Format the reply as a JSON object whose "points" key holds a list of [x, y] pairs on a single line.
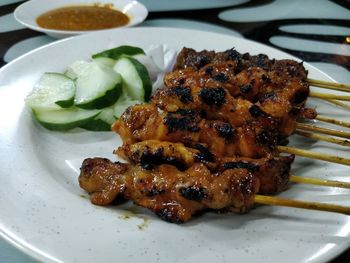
{"points": [[333, 121], [314, 181], [272, 200], [329, 85], [314, 155], [133, 182], [339, 103], [320, 137], [307, 127], [329, 96]]}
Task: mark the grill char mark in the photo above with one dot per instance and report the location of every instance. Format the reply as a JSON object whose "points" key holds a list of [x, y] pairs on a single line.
{"points": [[168, 216], [182, 120], [184, 93], [225, 130], [194, 193], [241, 165], [149, 159], [213, 96], [221, 77], [257, 112], [205, 155]]}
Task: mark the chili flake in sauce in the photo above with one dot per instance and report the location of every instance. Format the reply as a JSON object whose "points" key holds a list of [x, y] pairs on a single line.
{"points": [[78, 18]]}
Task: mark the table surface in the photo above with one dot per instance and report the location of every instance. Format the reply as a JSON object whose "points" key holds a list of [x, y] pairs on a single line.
{"points": [[317, 33]]}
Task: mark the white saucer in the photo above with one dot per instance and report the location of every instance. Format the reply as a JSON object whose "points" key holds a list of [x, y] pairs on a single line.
{"points": [[28, 12]]}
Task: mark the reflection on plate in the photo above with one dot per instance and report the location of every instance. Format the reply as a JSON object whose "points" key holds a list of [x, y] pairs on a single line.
{"points": [[47, 215], [28, 12]]}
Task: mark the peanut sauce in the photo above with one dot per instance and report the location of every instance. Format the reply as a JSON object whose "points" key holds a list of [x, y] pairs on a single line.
{"points": [[78, 18]]}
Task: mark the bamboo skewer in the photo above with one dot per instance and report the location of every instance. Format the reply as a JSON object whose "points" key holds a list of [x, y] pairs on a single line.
{"points": [[307, 127], [329, 85], [323, 138], [269, 200], [333, 121], [314, 181], [314, 155], [329, 96], [340, 104]]}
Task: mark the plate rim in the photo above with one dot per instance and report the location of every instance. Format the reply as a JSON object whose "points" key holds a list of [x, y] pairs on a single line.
{"points": [[35, 254], [152, 28]]}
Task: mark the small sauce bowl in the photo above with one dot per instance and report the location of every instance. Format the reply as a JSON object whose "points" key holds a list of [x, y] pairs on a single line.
{"points": [[29, 12]]}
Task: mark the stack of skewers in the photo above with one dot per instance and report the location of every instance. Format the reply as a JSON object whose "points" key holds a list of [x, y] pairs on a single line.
{"points": [[214, 138]]}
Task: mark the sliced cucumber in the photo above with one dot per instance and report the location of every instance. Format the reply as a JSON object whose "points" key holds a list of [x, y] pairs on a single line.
{"points": [[136, 79], [148, 62], [96, 87], [101, 122], [77, 68], [107, 115], [52, 91], [96, 125], [104, 62], [64, 119], [116, 53]]}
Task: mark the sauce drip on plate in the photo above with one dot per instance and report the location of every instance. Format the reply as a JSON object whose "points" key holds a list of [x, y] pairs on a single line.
{"points": [[79, 18]]}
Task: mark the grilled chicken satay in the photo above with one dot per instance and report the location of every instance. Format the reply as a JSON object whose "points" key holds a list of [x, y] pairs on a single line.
{"points": [[196, 146], [246, 72], [274, 111], [273, 171], [150, 153], [215, 102], [282, 98], [190, 58], [146, 122], [252, 83], [173, 195]]}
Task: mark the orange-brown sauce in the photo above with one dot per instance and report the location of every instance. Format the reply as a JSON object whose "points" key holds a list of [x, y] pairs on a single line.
{"points": [[82, 18]]}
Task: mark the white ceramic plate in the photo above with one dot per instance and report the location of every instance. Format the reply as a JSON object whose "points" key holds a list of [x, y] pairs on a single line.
{"points": [[47, 215], [28, 12]]}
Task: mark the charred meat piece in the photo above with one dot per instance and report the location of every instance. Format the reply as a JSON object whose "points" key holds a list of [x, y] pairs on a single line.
{"points": [[282, 97], [255, 139], [153, 152], [255, 83], [188, 58], [273, 171], [146, 122], [215, 103], [173, 195], [252, 83], [212, 75]]}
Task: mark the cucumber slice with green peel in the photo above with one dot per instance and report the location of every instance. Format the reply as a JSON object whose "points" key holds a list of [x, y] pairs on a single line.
{"points": [[96, 87], [78, 67], [136, 79], [52, 92], [96, 125], [116, 53], [64, 119], [107, 115], [104, 62], [101, 122], [70, 74]]}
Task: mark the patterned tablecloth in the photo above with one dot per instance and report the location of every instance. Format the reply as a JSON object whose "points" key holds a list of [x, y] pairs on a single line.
{"points": [[317, 31]]}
